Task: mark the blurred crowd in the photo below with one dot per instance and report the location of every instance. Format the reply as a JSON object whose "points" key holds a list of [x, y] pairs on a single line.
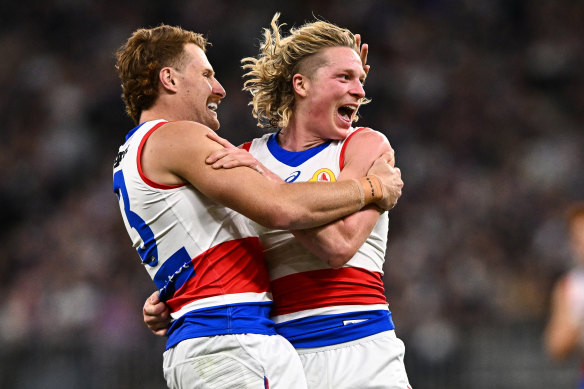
{"points": [[483, 102]]}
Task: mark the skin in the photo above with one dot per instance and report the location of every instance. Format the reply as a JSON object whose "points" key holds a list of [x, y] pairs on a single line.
{"points": [[563, 332], [316, 119], [175, 154]]}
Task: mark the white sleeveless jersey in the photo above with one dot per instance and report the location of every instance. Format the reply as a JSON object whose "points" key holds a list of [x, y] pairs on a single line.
{"points": [[314, 304], [205, 259]]}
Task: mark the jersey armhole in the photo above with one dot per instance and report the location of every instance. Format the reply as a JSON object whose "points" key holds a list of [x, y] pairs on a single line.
{"points": [[139, 161], [342, 157]]}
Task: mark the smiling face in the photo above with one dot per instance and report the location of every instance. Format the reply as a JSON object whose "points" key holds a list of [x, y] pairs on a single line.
{"points": [[199, 93], [333, 93]]}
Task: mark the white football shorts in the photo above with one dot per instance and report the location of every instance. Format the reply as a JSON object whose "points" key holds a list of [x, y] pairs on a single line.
{"points": [[243, 361], [375, 361]]}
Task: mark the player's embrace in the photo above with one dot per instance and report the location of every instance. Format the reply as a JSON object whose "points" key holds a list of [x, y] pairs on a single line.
{"points": [[329, 300], [193, 232]]}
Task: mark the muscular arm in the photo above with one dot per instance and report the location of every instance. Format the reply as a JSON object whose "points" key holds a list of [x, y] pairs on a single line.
{"points": [[176, 153], [337, 242]]}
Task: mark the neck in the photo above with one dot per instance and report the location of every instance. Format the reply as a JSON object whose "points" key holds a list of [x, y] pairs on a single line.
{"points": [[163, 108], [298, 137]]}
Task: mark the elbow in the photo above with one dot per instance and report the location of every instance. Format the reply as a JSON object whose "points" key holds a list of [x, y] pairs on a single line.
{"points": [[337, 262], [340, 254]]}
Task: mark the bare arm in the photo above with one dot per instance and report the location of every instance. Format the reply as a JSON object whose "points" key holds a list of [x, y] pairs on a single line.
{"points": [[176, 153], [322, 241], [231, 156], [562, 334], [337, 242]]}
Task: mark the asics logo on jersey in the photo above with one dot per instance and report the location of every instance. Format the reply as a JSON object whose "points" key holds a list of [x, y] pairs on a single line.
{"points": [[292, 177]]}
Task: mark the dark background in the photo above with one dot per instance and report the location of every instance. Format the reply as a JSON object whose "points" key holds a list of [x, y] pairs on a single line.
{"points": [[483, 102]]}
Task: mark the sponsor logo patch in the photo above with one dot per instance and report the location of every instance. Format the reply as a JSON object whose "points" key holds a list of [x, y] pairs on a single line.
{"points": [[323, 175], [293, 176]]}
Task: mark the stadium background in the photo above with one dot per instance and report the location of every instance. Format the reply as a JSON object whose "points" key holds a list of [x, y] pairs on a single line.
{"points": [[483, 102]]}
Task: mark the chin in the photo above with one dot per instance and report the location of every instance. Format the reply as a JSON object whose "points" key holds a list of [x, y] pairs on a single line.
{"points": [[344, 129], [214, 125]]}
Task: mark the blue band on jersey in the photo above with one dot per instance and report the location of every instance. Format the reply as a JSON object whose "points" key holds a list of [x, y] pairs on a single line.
{"points": [[247, 318], [173, 273], [292, 158], [324, 330], [148, 251], [132, 131]]}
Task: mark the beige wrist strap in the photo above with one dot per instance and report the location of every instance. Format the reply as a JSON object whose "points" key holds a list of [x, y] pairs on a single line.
{"points": [[371, 189]]}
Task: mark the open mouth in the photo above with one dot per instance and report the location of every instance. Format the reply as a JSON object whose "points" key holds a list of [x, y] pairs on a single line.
{"points": [[346, 112], [212, 106]]}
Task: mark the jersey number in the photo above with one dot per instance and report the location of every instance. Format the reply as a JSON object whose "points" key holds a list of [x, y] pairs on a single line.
{"points": [[176, 269]]}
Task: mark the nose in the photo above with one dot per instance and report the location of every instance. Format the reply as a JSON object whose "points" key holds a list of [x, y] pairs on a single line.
{"points": [[218, 89], [357, 89]]}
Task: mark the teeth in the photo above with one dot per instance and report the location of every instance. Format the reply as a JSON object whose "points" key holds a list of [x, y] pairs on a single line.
{"points": [[346, 111], [212, 106]]}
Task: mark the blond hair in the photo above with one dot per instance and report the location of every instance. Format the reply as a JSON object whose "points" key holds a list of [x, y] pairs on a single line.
{"points": [[269, 76], [141, 58]]}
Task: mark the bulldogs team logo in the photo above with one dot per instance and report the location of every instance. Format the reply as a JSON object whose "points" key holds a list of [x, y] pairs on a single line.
{"points": [[325, 175]]}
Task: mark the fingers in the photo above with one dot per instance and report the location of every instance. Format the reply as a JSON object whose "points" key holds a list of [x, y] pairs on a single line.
{"points": [[363, 52], [153, 306], [232, 157], [389, 157], [391, 181], [216, 156], [154, 297], [156, 315], [222, 141]]}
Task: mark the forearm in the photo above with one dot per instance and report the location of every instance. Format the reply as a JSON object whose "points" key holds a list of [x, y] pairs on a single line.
{"points": [[298, 205], [273, 204], [337, 242]]}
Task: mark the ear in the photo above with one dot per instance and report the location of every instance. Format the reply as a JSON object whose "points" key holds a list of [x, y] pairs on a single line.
{"points": [[167, 78], [300, 84]]}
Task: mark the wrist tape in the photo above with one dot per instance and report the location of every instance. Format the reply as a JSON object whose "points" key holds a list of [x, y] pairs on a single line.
{"points": [[371, 189]]}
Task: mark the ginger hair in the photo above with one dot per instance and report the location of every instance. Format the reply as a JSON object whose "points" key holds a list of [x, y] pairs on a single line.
{"points": [[141, 58]]}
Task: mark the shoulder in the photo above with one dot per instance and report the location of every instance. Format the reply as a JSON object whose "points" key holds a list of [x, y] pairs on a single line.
{"points": [[179, 138], [361, 148], [180, 135], [184, 127], [368, 139]]}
